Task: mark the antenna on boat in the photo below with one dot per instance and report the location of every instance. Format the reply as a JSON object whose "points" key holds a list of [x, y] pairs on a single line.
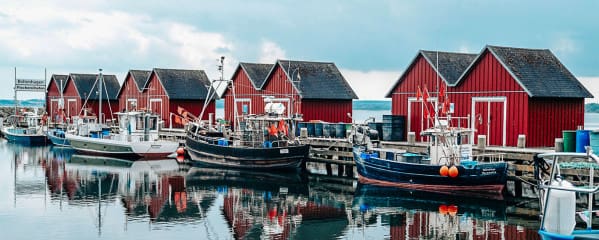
{"points": [[211, 89]]}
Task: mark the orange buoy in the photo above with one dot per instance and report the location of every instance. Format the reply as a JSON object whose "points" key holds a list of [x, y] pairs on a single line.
{"points": [[452, 210], [444, 170], [453, 171], [443, 209], [180, 151], [180, 158]]}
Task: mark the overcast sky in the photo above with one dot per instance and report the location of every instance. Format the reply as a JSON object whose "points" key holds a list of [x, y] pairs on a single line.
{"points": [[371, 42]]}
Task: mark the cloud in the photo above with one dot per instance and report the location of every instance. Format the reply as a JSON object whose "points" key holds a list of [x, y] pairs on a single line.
{"points": [[370, 85], [83, 40], [591, 84], [564, 46], [270, 52]]}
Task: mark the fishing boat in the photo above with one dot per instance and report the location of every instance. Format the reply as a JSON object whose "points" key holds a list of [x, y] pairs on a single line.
{"points": [[559, 196], [137, 137], [25, 128], [259, 141], [82, 126], [448, 165], [264, 142]]}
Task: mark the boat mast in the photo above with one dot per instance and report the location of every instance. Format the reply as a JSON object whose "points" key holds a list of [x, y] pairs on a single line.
{"points": [[100, 80]]}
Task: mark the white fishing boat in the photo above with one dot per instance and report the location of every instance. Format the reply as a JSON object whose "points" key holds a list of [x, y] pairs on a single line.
{"points": [[25, 128], [137, 137]]}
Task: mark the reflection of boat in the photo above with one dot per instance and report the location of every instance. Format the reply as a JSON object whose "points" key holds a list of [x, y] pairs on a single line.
{"points": [[292, 182], [426, 215], [25, 129], [377, 197], [448, 166], [263, 205], [137, 138], [559, 196]]}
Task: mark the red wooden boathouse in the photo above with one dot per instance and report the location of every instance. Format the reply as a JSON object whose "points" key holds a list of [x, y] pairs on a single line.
{"points": [[247, 81], [168, 90], [506, 92], [131, 94], [81, 91], [53, 96], [424, 73], [316, 89]]}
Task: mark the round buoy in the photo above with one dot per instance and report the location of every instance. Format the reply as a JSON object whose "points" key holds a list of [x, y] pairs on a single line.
{"points": [[180, 151], [444, 171], [180, 158], [452, 210], [453, 171], [443, 209]]}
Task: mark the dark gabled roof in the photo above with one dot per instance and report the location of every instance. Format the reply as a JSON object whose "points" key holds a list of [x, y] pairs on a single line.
{"points": [[85, 82], [538, 72], [140, 77], [56, 78], [317, 80], [448, 65], [257, 72], [182, 84]]}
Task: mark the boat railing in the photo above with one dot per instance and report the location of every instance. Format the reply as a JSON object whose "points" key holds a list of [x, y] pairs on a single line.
{"points": [[222, 141], [559, 161], [489, 157]]}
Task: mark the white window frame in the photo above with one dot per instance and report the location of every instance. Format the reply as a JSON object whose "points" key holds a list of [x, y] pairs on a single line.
{"points": [[130, 100], [154, 100]]}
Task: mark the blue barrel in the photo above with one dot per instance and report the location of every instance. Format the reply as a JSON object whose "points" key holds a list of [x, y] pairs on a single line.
{"points": [[311, 130], [582, 140], [105, 131], [318, 129], [340, 130], [326, 130], [594, 141], [300, 125]]}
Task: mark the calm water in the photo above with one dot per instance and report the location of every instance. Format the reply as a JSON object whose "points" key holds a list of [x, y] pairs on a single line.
{"points": [[49, 193]]}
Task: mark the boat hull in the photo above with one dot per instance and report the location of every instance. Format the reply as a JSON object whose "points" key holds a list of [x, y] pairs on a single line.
{"points": [[57, 139], [482, 178], [26, 139], [208, 154], [122, 149]]}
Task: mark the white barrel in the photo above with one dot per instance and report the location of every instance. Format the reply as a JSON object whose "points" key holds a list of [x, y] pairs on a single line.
{"points": [[561, 209]]}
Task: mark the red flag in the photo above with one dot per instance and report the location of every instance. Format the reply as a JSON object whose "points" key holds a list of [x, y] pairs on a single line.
{"points": [[425, 94], [442, 92], [426, 113], [418, 93], [181, 110], [446, 106]]}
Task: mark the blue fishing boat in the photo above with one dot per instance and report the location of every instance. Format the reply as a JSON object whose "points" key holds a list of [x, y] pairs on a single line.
{"points": [[447, 167], [25, 128], [559, 208]]}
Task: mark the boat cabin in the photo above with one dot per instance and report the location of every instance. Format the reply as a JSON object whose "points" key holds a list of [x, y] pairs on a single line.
{"points": [[139, 125]]}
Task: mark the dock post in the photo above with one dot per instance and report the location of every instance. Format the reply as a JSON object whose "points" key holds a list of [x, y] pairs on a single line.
{"points": [[482, 141], [559, 145], [411, 137], [521, 141]]}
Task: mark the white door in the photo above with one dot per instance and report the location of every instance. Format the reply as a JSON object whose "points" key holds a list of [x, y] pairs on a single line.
{"points": [[489, 118]]}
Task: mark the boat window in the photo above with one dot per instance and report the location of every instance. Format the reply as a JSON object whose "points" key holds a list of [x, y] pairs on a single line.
{"points": [[153, 123], [139, 122]]}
